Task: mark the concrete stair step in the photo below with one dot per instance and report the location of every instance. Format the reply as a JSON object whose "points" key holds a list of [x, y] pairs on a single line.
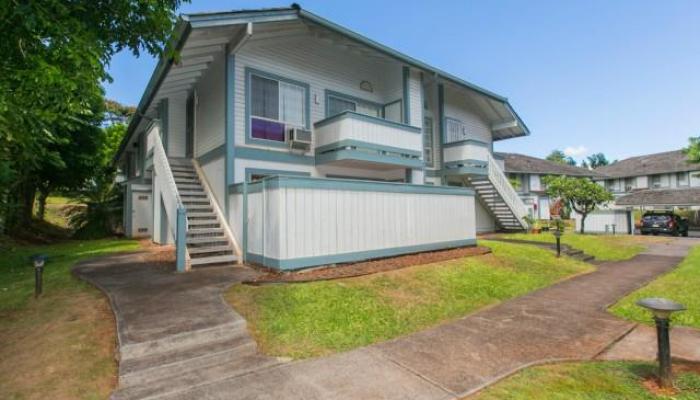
{"points": [[199, 207], [179, 340], [209, 249], [203, 215], [192, 194], [178, 385], [205, 231], [203, 223], [189, 186], [213, 260], [156, 367]]}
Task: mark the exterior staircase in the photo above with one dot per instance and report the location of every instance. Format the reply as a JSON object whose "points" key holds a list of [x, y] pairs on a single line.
{"points": [[496, 193], [207, 242]]}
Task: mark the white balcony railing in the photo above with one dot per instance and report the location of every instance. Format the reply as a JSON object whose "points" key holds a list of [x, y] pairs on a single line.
{"points": [[174, 209], [364, 135]]}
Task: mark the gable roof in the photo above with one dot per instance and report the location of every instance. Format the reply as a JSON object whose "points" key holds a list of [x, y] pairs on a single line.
{"points": [[513, 124], [520, 163], [650, 164], [661, 197]]}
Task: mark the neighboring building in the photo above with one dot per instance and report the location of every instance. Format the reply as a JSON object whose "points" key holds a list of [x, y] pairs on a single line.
{"points": [[283, 139], [660, 171], [529, 173]]}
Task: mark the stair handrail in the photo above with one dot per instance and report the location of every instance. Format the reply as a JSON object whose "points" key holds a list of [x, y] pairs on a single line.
{"points": [[174, 208], [505, 190]]}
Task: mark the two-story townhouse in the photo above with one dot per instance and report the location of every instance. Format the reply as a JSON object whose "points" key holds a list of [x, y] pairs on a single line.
{"points": [[665, 180], [529, 173], [278, 137]]}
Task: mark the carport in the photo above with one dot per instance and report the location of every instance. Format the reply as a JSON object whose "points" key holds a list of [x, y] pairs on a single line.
{"points": [[664, 199]]}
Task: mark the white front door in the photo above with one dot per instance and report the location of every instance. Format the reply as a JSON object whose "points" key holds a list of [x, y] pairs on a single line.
{"points": [[141, 214]]}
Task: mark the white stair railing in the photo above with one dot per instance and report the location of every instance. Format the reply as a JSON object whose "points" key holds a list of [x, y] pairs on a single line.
{"points": [[174, 209], [500, 182]]}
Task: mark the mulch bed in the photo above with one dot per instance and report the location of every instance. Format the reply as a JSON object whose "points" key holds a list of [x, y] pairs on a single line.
{"points": [[367, 267]]}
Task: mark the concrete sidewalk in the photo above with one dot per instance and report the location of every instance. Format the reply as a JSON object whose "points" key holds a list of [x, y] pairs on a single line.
{"points": [[567, 321]]}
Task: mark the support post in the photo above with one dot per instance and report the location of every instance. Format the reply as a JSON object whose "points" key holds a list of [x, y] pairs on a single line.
{"points": [[664, 355], [181, 240]]}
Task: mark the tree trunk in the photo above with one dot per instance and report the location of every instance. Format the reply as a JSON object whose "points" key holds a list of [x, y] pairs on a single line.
{"points": [[41, 210], [583, 222]]}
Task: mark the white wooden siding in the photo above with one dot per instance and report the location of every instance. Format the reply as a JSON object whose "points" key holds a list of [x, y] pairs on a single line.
{"points": [[597, 220], [319, 64], [457, 106], [240, 165], [484, 220], [214, 173], [416, 98], [466, 152], [351, 128], [292, 223], [177, 117], [210, 115]]}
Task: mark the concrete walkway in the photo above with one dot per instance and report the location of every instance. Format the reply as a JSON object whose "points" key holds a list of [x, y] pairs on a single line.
{"points": [[567, 321]]}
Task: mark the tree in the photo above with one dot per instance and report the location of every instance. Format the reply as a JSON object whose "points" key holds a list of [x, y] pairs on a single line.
{"points": [[693, 149], [597, 160], [559, 157], [580, 194], [54, 58]]}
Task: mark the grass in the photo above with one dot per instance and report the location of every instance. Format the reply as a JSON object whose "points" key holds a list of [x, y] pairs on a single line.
{"points": [[603, 248], [588, 381], [312, 319], [56, 207], [60, 346], [681, 285]]}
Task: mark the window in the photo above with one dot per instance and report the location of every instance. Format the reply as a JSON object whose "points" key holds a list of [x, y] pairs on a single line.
{"points": [[428, 141], [656, 181], [682, 178], [456, 130], [630, 183], [275, 105], [337, 103], [610, 184]]}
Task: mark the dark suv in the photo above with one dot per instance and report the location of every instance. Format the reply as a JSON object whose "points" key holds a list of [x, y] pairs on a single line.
{"points": [[664, 222]]}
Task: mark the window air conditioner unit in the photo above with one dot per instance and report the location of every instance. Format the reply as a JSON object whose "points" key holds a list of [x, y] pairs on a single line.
{"points": [[299, 139]]}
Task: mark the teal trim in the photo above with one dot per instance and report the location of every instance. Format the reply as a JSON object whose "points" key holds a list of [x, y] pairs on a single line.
{"points": [[128, 210], [376, 120], [252, 153], [304, 262], [461, 163], [181, 240], [464, 171], [328, 93], [307, 99], [365, 146], [279, 181], [359, 155], [207, 20], [245, 221], [466, 141], [406, 96], [212, 155], [441, 122], [230, 116], [360, 178], [260, 171]]}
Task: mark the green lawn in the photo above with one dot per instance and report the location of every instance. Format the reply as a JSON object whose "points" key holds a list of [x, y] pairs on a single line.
{"points": [[681, 285], [311, 319], [60, 346], [588, 381], [603, 248]]}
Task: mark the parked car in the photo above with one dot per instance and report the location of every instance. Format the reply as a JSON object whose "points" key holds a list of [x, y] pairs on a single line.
{"points": [[664, 222]]}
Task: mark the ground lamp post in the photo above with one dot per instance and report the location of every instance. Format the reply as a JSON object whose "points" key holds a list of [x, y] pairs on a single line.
{"points": [[557, 235], [38, 260], [662, 310]]}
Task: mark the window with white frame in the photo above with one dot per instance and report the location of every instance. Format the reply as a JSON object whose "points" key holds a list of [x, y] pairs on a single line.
{"points": [[338, 104], [274, 106], [683, 179], [428, 141], [656, 181], [455, 130]]}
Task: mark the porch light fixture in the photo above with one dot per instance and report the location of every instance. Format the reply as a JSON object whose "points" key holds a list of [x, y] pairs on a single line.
{"points": [[662, 310], [366, 86], [38, 260]]}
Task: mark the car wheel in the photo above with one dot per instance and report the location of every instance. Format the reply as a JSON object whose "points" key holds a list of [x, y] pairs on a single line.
{"points": [[685, 234]]}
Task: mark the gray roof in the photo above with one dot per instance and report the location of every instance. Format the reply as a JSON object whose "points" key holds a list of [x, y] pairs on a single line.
{"points": [[650, 164], [520, 163], [661, 197]]}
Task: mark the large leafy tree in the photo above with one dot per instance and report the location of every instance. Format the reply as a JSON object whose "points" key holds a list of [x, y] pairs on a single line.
{"points": [[54, 58], [580, 194], [597, 160], [559, 157], [693, 149]]}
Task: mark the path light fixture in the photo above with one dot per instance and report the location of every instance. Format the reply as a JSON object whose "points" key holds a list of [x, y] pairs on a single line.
{"points": [[39, 260], [557, 234], [662, 310], [613, 228]]}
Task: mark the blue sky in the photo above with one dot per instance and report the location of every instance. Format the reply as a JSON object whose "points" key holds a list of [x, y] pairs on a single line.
{"points": [[618, 77]]}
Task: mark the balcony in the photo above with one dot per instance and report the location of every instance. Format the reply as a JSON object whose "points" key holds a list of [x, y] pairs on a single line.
{"points": [[358, 140], [466, 156]]}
